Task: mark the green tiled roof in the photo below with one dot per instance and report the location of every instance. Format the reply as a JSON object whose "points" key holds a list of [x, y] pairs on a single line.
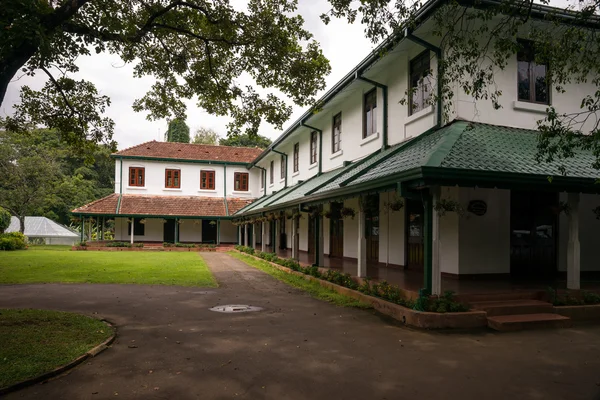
{"points": [[265, 200]]}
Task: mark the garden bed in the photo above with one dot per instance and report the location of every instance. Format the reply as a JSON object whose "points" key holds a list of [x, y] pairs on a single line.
{"points": [[126, 246], [458, 319]]}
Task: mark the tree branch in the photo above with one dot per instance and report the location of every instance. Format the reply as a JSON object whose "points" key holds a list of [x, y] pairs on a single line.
{"points": [[60, 90]]}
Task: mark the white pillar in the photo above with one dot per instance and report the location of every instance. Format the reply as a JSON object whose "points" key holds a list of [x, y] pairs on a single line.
{"points": [[246, 235], [362, 242], [132, 224], [254, 235], [436, 274], [295, 238], [263, 241], [573, 248]]}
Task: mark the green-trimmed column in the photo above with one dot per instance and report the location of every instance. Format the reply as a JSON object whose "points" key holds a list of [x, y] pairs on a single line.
{"points": [[263, 241], [573, 245], [295, 237], [427, 241], [254, 235], [218, 232], [436, 274], [362, 240], [246, 235]]}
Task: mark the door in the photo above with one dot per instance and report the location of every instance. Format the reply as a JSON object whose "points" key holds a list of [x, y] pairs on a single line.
{"points": [[533, 220], [311, 237], [414, 237], [282, 233], [372, 226], [336, 231], [169, 231], [209, 231]]}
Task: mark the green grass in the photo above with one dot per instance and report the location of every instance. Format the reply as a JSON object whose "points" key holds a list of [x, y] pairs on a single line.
{"points": [[37, 341], [46, 265], [312, 288]]}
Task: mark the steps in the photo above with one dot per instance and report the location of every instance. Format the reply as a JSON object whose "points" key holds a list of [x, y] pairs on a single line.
{"points": [[521, 313], [507, 323]]}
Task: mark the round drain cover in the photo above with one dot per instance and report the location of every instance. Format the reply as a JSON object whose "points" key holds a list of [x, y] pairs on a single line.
{"points": [[235, 308]]}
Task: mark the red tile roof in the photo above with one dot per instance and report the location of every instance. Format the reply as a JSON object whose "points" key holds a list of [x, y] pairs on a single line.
{"points": [[180, 206], [187, 151]]}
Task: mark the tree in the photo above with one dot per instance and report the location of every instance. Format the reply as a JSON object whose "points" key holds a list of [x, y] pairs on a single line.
{"points": [[4, 220], [190, 47], [244, 140], [206, 136], [178, 131], [478, 39]]}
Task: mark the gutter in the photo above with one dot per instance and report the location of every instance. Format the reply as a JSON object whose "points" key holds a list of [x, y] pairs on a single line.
{"points": [[320, 166], [286, 165], [438, 56], [384, 89]]}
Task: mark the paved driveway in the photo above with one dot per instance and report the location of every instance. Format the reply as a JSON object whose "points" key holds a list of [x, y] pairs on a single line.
{"points": [[297, 348]]}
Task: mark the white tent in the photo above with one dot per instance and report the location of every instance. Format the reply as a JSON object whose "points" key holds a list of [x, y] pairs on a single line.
{"points": [[44, 228]]}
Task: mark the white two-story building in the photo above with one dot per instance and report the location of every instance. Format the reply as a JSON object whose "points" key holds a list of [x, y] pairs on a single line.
{"points": [[176, 192], [386, 189]]}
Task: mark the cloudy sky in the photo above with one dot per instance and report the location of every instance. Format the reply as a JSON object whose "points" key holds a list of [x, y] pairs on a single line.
{"points": [[343, 44]]}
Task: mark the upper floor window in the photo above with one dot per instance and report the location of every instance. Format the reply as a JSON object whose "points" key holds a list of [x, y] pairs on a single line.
{"points": [[136, 176], [240, 181], [313, 147], [296, 157], [369, 117], [420, 84], [283, 166], [207, 180], [272, 172], [532, 83], [336, 133], [173, 178]]}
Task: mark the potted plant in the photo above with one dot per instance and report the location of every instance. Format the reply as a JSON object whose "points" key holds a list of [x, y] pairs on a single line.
{"points": [[394, 205], [347, 212], [448, 205]]}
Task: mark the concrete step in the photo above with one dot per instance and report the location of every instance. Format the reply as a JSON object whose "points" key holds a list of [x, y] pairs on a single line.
{"points": [[507, 323], [513, 307], [501, 296]]}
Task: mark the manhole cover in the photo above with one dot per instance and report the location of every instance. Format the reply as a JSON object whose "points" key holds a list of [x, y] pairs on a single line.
{"points": [[235, 308]]}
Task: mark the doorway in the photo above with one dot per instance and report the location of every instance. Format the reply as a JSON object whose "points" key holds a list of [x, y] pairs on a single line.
{"points": [[209, 231], [533, 234], [336, 231], [414, 236], [372, 227], [169, 231]]}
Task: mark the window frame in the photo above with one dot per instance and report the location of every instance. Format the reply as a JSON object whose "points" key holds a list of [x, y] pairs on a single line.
{"points": [[297, 157], [238, 181], [283, 166], [272, 172], [313, 147], [336, 145], [176, 174], [372, 107], [528, 46], [137, 174], [424, 55], [210, 173]]}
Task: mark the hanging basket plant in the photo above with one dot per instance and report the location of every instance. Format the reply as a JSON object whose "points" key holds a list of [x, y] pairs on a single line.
{"points": [[562, 207], [261, 219], [444, 206], [347, 212], [143, 221], [212, 223], [271, 217], [293, 213], [313, 211], [180, 221]]}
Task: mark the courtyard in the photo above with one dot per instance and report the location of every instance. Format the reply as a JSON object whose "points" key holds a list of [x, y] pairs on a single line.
{"points": [[170, 345]]}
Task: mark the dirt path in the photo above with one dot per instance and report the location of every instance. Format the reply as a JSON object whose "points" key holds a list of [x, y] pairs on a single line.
{"points": [[297, 348]]}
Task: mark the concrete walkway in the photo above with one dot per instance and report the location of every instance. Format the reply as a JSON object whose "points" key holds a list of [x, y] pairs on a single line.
{"points": [[170, 346]]}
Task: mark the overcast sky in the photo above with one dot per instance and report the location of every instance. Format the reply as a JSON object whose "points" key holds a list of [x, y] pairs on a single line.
{"points": [[343, 44]]}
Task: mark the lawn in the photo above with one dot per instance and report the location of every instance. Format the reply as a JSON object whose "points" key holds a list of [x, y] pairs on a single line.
{"points": [[46, 265], [312, 288], [37, 341]]}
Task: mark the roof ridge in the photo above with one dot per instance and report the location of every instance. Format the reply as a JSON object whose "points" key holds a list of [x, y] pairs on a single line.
{"points": [[444, 145]]}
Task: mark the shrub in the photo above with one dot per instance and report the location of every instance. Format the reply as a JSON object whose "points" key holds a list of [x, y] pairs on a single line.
{"points": [[138, 245], [446, 303], [13, 241], [186, 245], [120, 244], [167, 244], [4, 220]]}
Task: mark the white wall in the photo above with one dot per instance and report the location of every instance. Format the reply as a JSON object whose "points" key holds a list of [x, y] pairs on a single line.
{"points": [[153, 230], [154, 179], [351, 230], [391, 225], [484, 242], [303, 233], [228, 232], [190, 230]]}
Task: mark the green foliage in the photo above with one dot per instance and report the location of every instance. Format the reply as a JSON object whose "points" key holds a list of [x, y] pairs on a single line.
{"points": [[572, 298], [206, 136], [191, 49], [13, 241], [119, 244], [4, 220], [446, 303], [245, 140], [185, 245], [178, 131]]}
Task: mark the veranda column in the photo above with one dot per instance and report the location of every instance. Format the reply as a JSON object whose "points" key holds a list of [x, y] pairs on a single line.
{"points": [[573, 248], [436, 274], [295, 237], [132, 223], [82, 228], [263, 243], [239, 235], [320, 241], [362, 241], [218, 232], [254, 235], [427, 241], [246, 235]]}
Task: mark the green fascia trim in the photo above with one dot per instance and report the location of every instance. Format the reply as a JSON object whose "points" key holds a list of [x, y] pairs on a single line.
{"points": [[452, 134], [391, 153], [182, 160]]}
